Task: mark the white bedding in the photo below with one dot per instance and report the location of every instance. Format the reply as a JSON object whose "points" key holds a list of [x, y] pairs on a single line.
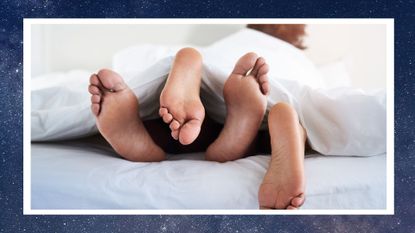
{"points": [[337, 120], [81, 175], [85, 175]]}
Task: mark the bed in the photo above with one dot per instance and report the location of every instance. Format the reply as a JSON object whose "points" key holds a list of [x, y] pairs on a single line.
{"points": [[73, 168], [87, 174]]}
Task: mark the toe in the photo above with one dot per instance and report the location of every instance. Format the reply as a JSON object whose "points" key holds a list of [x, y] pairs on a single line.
{"points": [[167, 118], [93, 80], [175, 134], [189, 131], [95, 108], [258, 64], [245, 64], [163, 111], [174, 125], [94, 90], [263, 70], [95, 99], [110, 80], [290, 207], [263, 81], [298, 201], [266, 88]]}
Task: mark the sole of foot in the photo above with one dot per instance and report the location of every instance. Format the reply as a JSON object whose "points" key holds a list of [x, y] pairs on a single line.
{"points": [[245, 97], [284, 182], [116, 110], [180, 104]]}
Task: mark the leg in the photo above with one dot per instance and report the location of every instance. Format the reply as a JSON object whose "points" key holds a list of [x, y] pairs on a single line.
{"points": [[283, 184], [116, 110], [180, 104], [245, 97]]}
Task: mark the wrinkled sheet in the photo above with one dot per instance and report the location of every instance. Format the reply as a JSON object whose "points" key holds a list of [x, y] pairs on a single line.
{"points": [[341, 121], [87, 175]]}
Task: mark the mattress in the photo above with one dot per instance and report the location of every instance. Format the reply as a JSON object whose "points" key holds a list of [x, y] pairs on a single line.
{"points": [[87, 174]]}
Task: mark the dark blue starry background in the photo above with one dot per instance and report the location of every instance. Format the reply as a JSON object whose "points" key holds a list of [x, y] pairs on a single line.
{"points": [[11, 103]]}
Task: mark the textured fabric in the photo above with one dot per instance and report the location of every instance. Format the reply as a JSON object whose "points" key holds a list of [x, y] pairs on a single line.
{"points": [[85, 175]]}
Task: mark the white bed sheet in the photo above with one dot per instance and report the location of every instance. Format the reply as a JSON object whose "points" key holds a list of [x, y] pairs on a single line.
{"points": [[85, 175], [337, 120]]}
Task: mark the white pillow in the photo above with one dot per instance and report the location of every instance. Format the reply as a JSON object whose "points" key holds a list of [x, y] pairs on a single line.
{"points": [[285, 61], [134, 60], [335, 74]]}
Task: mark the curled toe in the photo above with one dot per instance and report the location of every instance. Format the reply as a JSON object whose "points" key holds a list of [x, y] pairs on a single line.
{"points": [[94, 90], [175, 134], [163, 111], [95, 109], [167, 118], [95, 99], [174, 125], [298, 201], [94, 80], [189, 132]]}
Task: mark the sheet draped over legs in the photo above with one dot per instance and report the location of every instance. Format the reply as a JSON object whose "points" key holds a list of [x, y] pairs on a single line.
{"points": [[342, 121]]}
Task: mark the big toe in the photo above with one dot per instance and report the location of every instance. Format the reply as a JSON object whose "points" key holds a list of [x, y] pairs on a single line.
{"points": [[111, 80], [245, 63], [298, 201], [189, 131]]}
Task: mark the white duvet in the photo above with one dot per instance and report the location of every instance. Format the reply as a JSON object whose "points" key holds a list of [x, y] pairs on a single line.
{"points": [[342, 121]]}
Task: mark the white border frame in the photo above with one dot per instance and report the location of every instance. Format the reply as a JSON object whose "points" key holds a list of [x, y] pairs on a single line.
{"points": [[27, 210]]}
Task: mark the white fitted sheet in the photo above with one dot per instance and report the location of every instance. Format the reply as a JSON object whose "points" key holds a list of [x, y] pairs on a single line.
{"points": [[85, 175]]}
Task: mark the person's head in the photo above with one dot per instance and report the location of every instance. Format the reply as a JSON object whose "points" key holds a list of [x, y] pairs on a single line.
{"points": [[291, 33]]}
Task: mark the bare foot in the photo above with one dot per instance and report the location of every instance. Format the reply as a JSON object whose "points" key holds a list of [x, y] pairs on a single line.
{"points": [[245, 97], [283, 184], [180, 104], [116, 109]]}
